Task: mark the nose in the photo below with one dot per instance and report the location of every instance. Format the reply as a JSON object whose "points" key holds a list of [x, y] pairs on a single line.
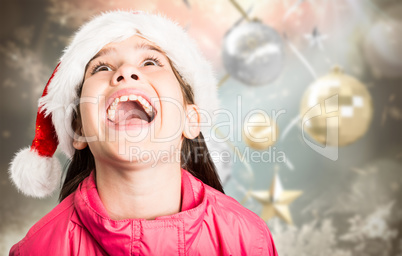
{"points": [[124, 74]]}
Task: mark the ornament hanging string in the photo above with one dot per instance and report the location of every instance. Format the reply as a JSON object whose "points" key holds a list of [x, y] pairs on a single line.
{"points": [[223, 80], [240, 9], [302, 59]]}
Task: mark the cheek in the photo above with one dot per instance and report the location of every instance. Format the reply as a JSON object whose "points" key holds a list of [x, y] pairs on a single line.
{"points": [[172, 110], [91, 103], [168, 87], [90, 118]]}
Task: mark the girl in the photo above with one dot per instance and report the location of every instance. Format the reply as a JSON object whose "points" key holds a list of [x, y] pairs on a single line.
{"points": [[140, 180]]}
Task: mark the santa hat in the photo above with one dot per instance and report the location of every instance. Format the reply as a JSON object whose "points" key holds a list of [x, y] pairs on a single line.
{"points": [[35, 170]]}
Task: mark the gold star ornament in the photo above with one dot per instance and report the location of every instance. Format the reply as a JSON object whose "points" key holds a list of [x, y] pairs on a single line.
{"points": [[276, 200]]}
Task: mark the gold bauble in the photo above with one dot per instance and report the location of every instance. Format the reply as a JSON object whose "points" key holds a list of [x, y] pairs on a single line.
{"points": [[260, 131], [336, 102]]}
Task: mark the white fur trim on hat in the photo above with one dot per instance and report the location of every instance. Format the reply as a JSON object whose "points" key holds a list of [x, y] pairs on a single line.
{"points": [[35, 175], [113, 27]]}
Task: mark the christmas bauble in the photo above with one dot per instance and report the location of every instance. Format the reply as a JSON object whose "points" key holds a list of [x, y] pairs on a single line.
{"points": [[260, 131], [253, 53], [336, 102], [383, 44]]}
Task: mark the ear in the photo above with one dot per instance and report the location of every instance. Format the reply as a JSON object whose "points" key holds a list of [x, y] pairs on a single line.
{"points": [[79, 142], [192, 122]]}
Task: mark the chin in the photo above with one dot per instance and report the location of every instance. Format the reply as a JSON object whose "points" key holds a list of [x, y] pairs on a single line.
{"points": [[131, 152]]}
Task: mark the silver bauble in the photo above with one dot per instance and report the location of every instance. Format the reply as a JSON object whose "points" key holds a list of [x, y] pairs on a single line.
{"points": [[253, 53]]}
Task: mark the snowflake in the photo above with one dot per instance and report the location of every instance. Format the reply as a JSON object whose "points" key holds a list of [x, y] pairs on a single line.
{"points": [[372, 235], [310, 239], [374, 226], [28, 65], [72, 14], [395, 113], [24, 34], [6, 134], [9, 83]]}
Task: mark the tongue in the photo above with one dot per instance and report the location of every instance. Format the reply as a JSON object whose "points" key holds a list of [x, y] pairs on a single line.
{"points": [[130, 112]]}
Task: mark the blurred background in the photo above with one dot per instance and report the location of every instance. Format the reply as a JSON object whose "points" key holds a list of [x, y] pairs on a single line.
{"points": [[321, 78]]}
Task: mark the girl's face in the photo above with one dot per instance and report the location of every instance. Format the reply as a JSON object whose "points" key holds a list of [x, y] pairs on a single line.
{"points": [[132, 106]]}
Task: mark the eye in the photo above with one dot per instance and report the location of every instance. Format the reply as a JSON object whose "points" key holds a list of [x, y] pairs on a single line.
{"points": [[100, 67], [103, 68], [151, 61]]}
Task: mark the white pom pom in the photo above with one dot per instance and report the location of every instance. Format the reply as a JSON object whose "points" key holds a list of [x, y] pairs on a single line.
{"points": [[35, 175]]}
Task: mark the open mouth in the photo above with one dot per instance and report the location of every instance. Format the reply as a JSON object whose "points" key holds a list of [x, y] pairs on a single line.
{"points": [[130, 109]]}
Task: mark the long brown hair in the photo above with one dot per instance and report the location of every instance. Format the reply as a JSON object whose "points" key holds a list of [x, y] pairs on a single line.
{"points": [[195, 156]]}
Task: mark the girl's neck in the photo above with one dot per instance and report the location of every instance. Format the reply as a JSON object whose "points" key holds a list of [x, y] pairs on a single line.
{"points": [[142, 193]]}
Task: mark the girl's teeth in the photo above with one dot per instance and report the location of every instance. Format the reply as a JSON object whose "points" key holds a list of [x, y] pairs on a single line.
{"points": [[111, 111], [111, 114], [144, 102]]}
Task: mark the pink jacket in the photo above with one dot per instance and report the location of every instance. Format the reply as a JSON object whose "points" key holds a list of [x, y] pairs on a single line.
{"points": [[210, 223]]}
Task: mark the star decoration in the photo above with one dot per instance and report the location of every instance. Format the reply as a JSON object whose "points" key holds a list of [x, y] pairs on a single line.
{"points": [[315, 38], [276, 200]]}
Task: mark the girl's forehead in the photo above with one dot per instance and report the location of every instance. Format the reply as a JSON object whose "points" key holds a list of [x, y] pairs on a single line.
{"points": [[135, 41]]}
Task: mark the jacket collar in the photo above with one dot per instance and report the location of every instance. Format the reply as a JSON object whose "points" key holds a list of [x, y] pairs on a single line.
{"points": [[117, 237]]}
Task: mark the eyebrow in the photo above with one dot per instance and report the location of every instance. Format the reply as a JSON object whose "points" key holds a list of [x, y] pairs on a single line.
{"points": [[105, 51]]}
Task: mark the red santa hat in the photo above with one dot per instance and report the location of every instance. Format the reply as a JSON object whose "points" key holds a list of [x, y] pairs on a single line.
{"points": [[35, 170]]}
